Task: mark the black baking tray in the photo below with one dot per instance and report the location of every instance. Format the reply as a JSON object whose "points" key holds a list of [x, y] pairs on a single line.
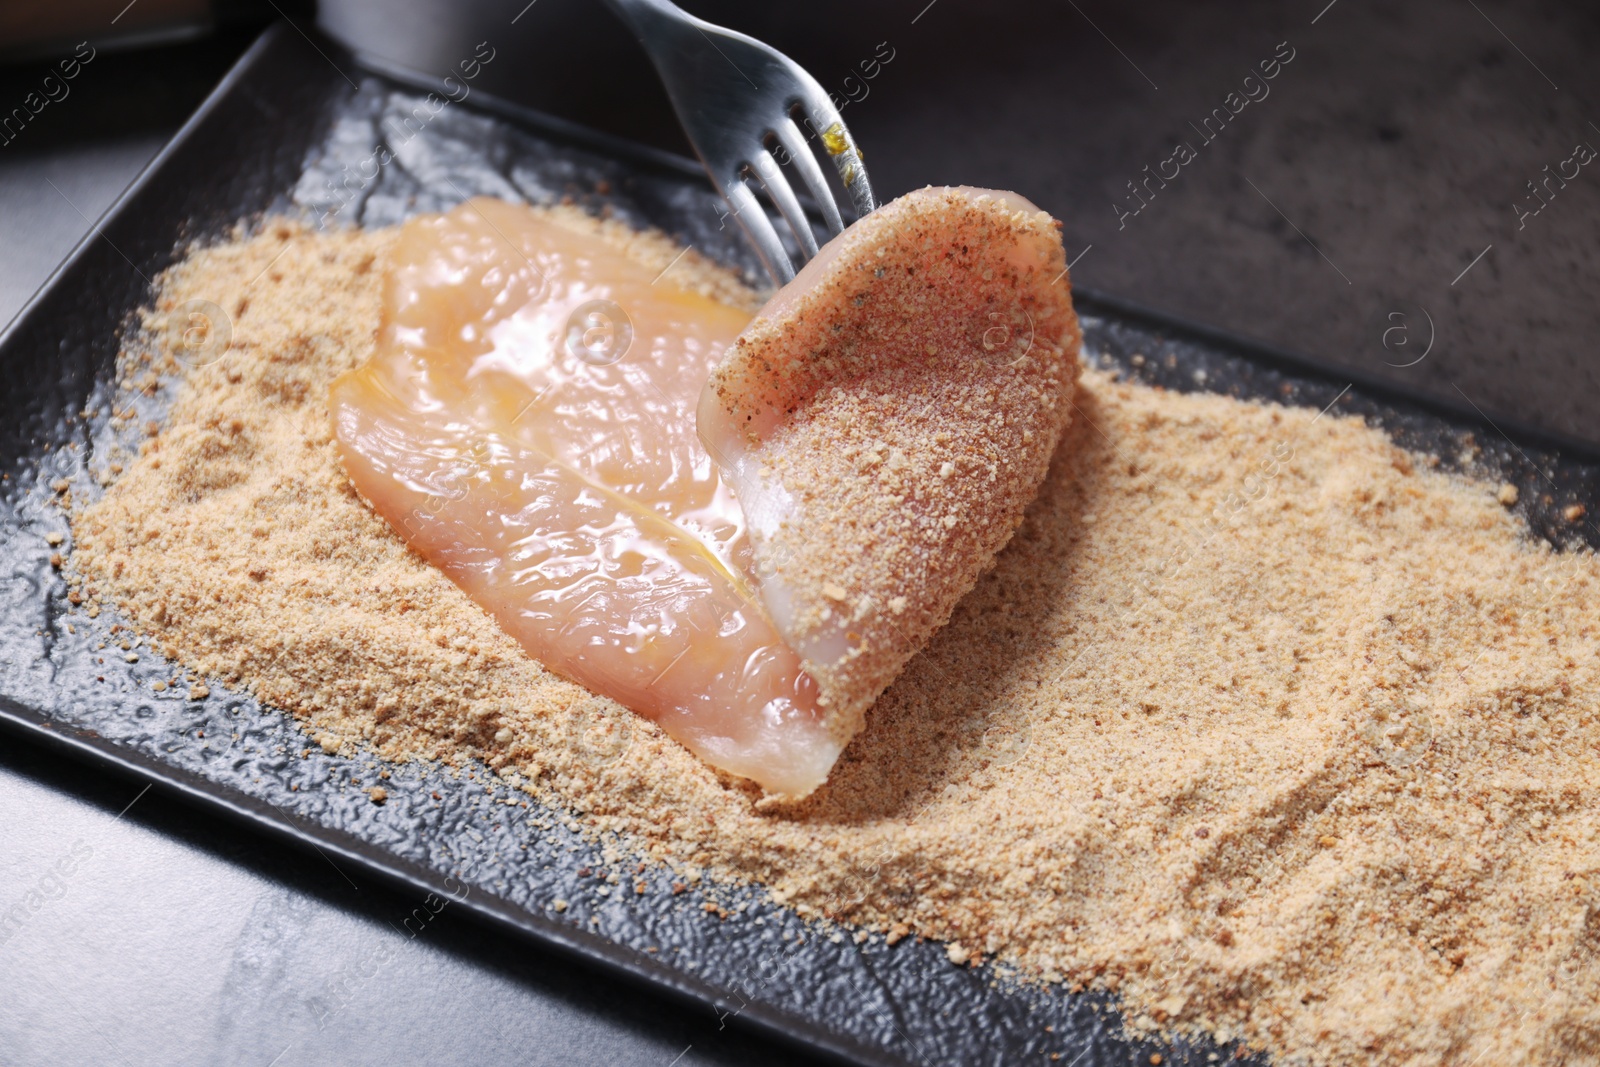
{"points": [[281, 126]]}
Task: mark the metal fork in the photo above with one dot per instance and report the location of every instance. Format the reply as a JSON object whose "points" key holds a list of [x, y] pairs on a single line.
{"points": [[736, 96]]}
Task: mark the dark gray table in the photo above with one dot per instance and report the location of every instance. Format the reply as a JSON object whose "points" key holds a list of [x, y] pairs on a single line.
{"points": [[1376, 178]]}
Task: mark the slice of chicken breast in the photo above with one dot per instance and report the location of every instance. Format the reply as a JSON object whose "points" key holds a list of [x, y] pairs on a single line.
{"points": [[527, 425]]}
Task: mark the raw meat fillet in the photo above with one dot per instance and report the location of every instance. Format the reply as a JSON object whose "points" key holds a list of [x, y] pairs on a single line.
{"points": [[524, 444]]}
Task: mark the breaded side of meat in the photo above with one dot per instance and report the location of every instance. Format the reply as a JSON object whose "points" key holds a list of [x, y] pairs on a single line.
{"points": [[886, 420]]}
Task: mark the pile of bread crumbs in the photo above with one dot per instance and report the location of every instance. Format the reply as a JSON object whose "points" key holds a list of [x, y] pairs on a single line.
{"points": [[1259, 721]]}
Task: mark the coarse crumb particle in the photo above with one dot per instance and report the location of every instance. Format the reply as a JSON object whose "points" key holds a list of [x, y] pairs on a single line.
{"points": [[1274, 632], [378, 794], [1508, 494]]}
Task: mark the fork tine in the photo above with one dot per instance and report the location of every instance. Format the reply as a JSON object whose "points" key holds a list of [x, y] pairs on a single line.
{"points": [[841, 147], [732, 93], [747, 209], [777, 187], [794, 142]]}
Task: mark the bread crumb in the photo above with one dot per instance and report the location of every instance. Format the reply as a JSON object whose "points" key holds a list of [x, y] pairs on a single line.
{"points": [[1508, 494], [1270, 633], [378, 794]]}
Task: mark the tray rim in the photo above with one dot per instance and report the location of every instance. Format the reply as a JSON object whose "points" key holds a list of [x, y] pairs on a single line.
{"points": [[612, 958]]}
